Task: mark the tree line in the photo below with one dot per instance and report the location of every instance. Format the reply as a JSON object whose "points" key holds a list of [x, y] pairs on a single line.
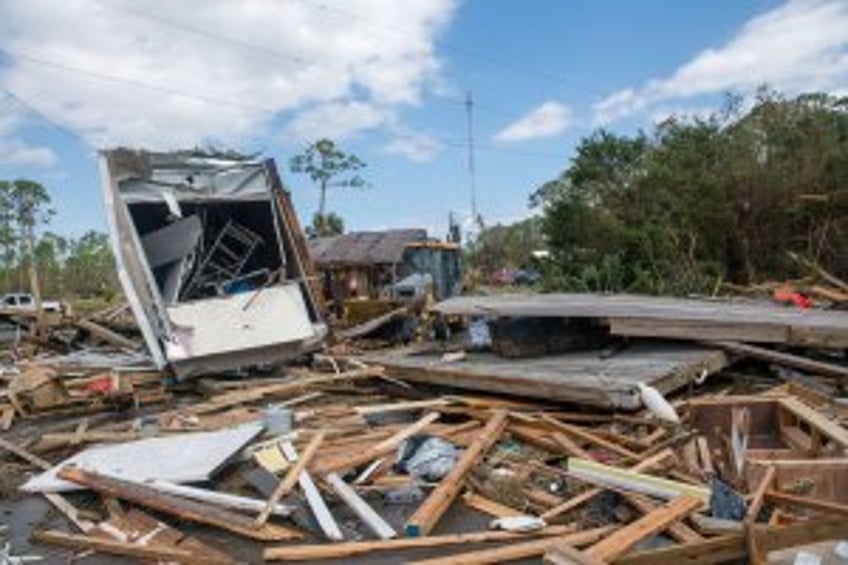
{"points": [[696, 202], [68, 268]]}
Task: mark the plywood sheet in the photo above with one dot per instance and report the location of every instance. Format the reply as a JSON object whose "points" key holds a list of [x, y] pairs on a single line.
{"points": [[179, 458], [586, 377], [655, 316]]}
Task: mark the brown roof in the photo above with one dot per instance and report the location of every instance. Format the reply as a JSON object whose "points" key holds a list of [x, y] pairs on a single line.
{"points": [[364, 248]]}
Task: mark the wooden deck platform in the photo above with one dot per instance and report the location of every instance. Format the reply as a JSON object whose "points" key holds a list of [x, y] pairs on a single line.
{"points": [[674, 318], [585, 377]]}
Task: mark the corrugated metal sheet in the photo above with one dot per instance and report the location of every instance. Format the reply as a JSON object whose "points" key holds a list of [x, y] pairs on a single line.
{"points": [[363, 248]]}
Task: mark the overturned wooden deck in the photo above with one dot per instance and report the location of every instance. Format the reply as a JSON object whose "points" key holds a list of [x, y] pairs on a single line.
{"points": [[596, 378], [673, 318]]}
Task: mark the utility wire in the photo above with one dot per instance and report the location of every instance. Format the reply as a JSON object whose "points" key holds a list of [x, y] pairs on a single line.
{"points": [[44, 117]]}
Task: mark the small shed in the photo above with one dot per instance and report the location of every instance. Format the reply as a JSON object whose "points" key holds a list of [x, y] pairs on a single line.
{"points": [[367, 264]]}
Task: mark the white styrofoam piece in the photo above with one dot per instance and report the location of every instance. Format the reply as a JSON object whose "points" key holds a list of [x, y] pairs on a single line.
{"points": [[178, 458]]}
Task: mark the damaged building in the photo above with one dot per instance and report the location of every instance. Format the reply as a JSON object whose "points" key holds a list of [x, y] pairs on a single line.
{"points": [[366, 269], [211, 258]]}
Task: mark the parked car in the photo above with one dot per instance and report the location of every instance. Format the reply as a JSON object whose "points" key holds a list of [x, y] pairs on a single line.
{"points": [[526, 277], [25, 301]]}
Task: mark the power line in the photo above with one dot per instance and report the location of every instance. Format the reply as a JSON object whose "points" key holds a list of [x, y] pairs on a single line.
{"points": [[462, 51], [44, 117]]}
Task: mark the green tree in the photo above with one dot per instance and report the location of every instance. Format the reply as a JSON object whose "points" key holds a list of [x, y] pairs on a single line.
{"points": [[327, 225], [327, 165]]}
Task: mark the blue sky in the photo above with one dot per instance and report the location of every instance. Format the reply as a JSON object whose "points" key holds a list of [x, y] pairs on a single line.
{"points": [[387, 80]]}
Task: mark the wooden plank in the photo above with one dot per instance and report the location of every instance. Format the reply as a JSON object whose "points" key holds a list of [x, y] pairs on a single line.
{"points": [[369, 517], [184, 508], [807, 502], [606, 475], [570, 447], [303, 552], [780, 358], [488, 506], [291, 478], [313, 497], [623, 540], [730, 548], [564, 554], [756, 502], [25, 455], [582, 498], [589, 437], [385, 447], [677, 530], [107, 335], [704, 456], [78, 541], [519, 550], [815, 419], [428, 514]]}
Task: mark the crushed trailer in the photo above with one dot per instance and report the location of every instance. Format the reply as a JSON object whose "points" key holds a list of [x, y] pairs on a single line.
{"points": [[211, 258]]}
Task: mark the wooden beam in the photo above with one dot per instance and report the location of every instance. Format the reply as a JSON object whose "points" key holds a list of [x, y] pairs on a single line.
{"points": [[756, 503], [291, 478], [652, 523], [786, 359], [521, 550], [80, 541], [385, 447], [589, 437], [184, 508], [488, 506], [806, 502], [609, 476], [371, 519], [428, 514], [816, 420], [570, 447], [564, 554], [25, 455], [354, 548], [313, 497], [678, 530], [582, 498], [730, 548], [107, 335]]}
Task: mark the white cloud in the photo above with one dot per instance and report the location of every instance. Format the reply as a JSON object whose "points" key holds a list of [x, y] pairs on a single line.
{"points": [[800, 46], [281, 58], [336, 120], [548, 120], [417, 147], [14, 152]]}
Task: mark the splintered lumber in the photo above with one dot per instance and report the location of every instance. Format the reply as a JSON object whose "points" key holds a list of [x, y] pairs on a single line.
{"points": [[218, 498], [25, 455], [704, 455], [564, 554], [184, 508], [807, 502], [107, 335], [77, 541], [732, 547], [519, 550], [353, 548], [821, 424], [569, 447], [385, 447], [369, 517], [678, 530], [589, 437], [313, 497], [756, 502], [291, 478], [606, 475], [490, 507], [585, 496], [787, 359], [621, 541], [428, 514]]}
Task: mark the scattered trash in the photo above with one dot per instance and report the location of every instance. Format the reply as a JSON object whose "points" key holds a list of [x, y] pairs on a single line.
{"points": [[428, 458]]}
